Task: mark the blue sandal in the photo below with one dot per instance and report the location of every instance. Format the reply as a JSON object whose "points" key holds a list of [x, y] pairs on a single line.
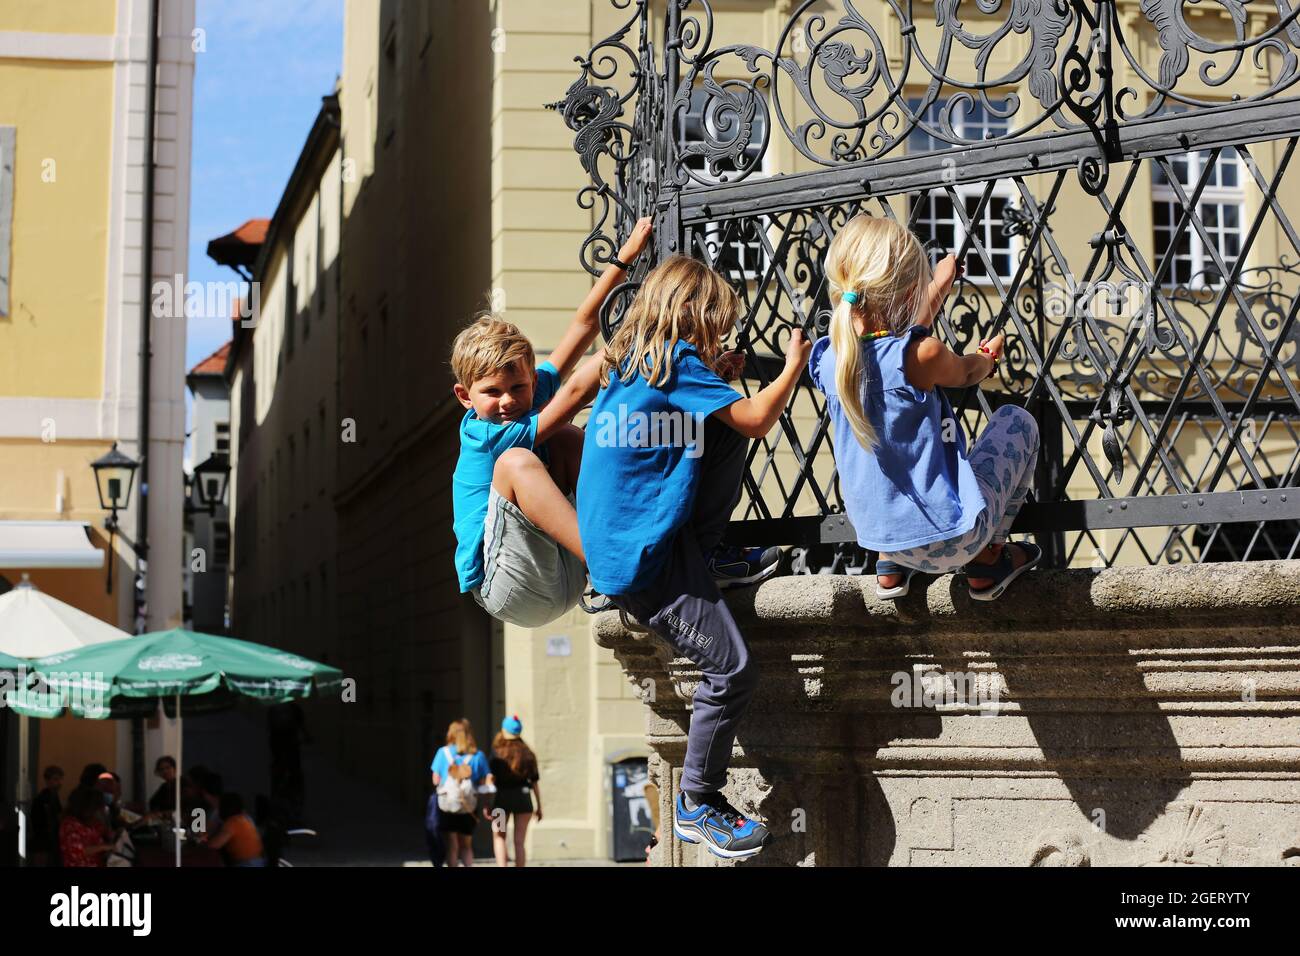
{"points": [[1002, 571], [891, 567]]}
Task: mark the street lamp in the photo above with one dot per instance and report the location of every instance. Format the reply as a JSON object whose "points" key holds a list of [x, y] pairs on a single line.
{"points": [[211, 476], [114, 478]]}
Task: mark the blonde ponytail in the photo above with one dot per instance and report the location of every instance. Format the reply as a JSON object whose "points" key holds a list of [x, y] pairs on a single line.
{"points": [[848, 373], [885, 268]]}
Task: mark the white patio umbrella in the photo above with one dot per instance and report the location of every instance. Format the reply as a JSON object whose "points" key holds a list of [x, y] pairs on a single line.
{"points": [[33, 624]]}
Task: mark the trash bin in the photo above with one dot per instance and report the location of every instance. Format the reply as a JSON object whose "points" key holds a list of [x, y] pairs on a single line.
{"points": [[632, 819]]}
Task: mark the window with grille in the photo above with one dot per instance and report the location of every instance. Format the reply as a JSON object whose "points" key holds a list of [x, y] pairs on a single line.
{"points": [[1219, 209], [935, 218]]}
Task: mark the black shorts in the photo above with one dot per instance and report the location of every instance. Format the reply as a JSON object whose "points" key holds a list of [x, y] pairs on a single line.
{"points": [[513, 800], [462, 823]]}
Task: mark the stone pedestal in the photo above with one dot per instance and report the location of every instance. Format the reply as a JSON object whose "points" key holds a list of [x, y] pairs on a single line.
{"points": [[1131, 716]]}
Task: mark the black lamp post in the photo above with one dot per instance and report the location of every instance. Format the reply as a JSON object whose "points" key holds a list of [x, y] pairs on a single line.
{"points": [[210, 477], [114, 479]]}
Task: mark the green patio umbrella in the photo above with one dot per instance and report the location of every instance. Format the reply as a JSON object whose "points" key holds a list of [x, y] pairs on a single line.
{"points": [[34, 624], [119, 678]]}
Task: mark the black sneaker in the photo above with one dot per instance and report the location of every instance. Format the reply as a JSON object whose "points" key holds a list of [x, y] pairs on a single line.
{"points": [[733, 566]]}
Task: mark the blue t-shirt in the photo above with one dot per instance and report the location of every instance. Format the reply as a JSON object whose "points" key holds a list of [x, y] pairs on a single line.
{"points": [[641, 463], [914, 488], [478, 764], [481, 443]]}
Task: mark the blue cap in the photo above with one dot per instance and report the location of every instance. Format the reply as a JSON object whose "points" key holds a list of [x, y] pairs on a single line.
{"points": [[512, 725], [850, 296]]}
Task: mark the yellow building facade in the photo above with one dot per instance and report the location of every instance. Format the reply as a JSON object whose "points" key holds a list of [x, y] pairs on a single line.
{"points": [[72, 173]]}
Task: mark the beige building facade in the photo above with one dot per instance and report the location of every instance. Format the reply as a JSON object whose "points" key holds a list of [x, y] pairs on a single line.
{"points": [[458, 191], [283, 413]]}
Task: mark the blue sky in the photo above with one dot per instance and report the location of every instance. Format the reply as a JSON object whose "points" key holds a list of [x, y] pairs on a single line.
{"points": [[257, 89]]}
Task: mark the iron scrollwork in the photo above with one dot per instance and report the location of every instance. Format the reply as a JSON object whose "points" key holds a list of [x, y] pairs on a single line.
{"points": [[619, 158], [1102, 338]]}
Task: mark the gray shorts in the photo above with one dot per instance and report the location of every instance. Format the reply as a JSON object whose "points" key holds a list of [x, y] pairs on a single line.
{"points": [[529, 579]]}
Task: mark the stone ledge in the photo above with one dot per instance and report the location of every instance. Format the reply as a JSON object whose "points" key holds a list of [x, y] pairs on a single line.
{"points": [[1178, 595], [1164, 701]]}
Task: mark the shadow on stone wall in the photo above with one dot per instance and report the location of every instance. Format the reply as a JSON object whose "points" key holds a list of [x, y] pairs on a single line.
{"points": [[1131, 716]]}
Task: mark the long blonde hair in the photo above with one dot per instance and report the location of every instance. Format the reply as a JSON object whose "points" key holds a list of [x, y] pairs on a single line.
{"points": [[681, 299], [460, 734], [884, 264]]}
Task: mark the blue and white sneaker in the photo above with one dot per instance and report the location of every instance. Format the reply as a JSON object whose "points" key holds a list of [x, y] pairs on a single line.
{"points": [[720, 827], [733, 566]]}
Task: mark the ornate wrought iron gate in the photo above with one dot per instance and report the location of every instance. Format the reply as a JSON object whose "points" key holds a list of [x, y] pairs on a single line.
{"points": [[1152, 332]]}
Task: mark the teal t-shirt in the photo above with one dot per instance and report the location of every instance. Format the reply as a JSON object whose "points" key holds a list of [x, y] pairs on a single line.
{"points": [[478, 763], [641, 463], [481, 443]]}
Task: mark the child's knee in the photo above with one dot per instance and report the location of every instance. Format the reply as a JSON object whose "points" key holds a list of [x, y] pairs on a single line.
{"points": [[514, 460], [1020, 421]]}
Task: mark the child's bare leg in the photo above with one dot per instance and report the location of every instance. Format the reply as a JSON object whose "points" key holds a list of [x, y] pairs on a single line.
{"points": [[522, 479], [520, 834], [499, 844]]}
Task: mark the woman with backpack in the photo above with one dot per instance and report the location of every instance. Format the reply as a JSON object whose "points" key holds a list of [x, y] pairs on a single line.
{"points": [[459, 770], [514, 768]]}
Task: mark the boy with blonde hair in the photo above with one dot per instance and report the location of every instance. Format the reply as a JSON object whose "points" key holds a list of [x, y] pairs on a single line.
{"points": [[517, 546]]}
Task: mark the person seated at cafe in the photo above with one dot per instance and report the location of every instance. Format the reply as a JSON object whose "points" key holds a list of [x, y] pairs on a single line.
{"points": [[84, 836], [90, 773], [109, 786], [207, 797], [238, 838], [163, 802], [43, 835]]}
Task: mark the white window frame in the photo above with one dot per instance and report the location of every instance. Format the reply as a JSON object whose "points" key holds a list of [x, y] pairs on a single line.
{"points": [[1216, 195], [714, 231], [1002, 189]]}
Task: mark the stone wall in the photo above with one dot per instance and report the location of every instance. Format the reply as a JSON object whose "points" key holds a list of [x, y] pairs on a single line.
{"points": [[1130, 716]]}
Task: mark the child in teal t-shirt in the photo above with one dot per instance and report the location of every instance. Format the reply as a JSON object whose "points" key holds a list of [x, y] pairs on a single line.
{"points": [[517, 546], [662, 464]]}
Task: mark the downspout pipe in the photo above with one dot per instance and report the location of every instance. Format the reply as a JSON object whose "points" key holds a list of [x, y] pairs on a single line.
{"points": [[146, 334]]}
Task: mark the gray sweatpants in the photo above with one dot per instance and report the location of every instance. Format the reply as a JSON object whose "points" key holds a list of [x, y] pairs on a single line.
{"points": [[685, 608]]}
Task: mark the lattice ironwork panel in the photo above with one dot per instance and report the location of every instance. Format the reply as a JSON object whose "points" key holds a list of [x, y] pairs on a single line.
{"points": [[1151, 327]]}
